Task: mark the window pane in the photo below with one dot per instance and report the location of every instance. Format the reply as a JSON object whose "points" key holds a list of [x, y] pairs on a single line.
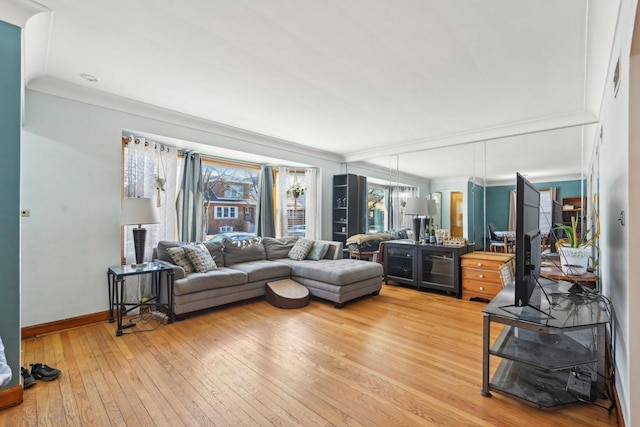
{"points": [[376, 208], [228, 190], [296, 204]]}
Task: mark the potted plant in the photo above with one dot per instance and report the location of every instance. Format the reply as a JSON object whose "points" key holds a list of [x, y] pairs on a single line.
{"points": [[296, 190], [575, 248]]}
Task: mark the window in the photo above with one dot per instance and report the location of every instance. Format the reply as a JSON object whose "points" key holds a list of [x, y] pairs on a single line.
{"points": [[296, 202], [234, 191], [226, 212], [228, 183], [376, 208]]}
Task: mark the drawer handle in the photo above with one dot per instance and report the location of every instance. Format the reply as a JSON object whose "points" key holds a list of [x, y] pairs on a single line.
{"points": [[479, 264], [481, 276], [482, 288]]}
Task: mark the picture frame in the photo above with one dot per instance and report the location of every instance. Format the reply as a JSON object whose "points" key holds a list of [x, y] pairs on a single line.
{"points": [[437, 220]]}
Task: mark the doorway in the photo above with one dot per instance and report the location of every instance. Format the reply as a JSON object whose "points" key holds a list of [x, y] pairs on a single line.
{"points": [[456, 214]]}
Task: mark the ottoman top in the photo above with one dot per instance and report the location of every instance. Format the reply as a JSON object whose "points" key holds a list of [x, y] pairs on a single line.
{"points": [[288, 288]]}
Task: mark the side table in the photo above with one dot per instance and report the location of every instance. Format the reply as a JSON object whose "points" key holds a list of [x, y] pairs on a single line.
{"points": [[116, 276]]}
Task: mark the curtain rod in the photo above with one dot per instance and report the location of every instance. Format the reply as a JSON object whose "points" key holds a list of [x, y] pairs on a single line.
{"points": [[139, 139]]}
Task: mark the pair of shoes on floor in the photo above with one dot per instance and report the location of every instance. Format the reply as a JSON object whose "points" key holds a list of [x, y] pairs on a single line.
{"points": [[43, 372], [27, 379]]}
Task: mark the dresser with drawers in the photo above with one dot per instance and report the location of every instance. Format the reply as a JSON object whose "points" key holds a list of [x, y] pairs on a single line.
{"points": [[483, 273]]}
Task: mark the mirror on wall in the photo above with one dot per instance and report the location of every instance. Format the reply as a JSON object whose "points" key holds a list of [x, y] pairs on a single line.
{"points": [[480, 175]]}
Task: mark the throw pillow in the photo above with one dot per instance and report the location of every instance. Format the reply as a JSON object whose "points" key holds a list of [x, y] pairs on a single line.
{"points": [[278, 248], [180, 258], [300, 249], [318, 251], [200, 258]]}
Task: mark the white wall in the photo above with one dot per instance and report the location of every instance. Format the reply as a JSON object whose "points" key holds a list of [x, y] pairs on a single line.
{"points": [[71, 182], [619, 266]]}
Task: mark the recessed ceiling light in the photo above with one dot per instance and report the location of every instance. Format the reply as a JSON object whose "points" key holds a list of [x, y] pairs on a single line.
{"points": [[90, 78]]}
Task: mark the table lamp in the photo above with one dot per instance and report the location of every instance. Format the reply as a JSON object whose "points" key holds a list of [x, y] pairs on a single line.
{"points": [[417, 207], [139, 211]]}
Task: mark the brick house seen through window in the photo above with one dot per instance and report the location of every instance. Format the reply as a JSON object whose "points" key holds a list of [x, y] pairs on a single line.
{"points": [[230, 192]]}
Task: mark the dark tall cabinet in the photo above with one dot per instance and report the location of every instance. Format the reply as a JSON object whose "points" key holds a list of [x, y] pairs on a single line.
{"points": [[349, 206]]}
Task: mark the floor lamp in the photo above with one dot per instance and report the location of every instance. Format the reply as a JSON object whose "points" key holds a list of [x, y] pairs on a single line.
{"points": [[417, 207], [139, 211]]}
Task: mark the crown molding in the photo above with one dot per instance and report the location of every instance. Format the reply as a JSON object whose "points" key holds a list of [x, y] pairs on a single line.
{"points": [[85, 95], [514, 129], [18, 12], [535, 180]]}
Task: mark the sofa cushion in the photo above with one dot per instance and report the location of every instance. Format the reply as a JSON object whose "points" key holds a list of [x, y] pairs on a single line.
{"points": [[218, 278], [180, 257], [318, 251], [238, 251], [215, 249], [300, 249], [263, 270], [200, 257], [278, 248], [337, 272], [163, 245]]}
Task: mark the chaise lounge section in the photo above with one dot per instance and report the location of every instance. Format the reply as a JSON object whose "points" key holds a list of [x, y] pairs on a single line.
{"points": [[242, 270]]}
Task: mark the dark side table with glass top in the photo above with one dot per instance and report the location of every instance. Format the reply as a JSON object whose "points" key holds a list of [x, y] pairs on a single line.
{"points": [[551, 355], [116, 281]]}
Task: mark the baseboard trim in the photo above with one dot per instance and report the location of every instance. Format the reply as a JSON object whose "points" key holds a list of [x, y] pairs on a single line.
{"points": [[59, 325], [616, 401], [11, 396]]}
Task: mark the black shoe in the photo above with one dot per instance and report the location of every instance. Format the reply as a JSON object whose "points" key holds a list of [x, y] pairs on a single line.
{"points": [[27, 379], [44, 372]]}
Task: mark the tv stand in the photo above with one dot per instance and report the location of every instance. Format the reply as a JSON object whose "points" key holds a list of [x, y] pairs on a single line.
{"points": [[550, 356]]}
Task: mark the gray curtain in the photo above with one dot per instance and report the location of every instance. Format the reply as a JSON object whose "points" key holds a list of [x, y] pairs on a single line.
{"points": [[190, 200], [265, 220]]}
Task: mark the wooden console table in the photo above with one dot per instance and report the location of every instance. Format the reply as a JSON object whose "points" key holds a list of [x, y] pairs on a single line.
{"points": [[552, 271]]}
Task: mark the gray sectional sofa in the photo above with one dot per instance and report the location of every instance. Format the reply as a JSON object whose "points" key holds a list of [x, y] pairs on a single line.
{"points": [[244, 269]]}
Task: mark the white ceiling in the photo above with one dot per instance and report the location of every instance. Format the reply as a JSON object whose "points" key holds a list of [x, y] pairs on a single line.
{"points": [[361, 78]]}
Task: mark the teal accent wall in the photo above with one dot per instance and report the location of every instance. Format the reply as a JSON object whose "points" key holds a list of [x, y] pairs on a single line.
{"points": [[10, 45], [498, 199]]}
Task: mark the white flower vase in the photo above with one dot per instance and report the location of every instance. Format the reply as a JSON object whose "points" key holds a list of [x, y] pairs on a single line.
{"points": [[574, 261]]}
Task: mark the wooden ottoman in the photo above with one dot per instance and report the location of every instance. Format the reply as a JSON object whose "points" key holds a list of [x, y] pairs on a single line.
{"points": [[287, 293]]}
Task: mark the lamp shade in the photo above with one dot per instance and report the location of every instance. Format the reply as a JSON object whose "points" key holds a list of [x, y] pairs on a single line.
{"points": [[416, 206], [139, 211], [432, 208]]}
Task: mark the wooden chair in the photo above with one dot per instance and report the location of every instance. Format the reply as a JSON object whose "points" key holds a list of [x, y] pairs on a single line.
{"points": [[497, 244]]}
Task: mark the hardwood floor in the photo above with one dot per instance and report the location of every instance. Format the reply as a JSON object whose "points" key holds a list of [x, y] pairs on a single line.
{"points": [[402, 358]]}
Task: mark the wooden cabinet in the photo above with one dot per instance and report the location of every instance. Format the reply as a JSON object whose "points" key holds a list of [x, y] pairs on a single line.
{"points": [[481, 274], [572, 207], [349, 206]]}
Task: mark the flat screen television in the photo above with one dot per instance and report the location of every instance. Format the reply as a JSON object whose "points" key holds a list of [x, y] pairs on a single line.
{"points": [[528, 240]]}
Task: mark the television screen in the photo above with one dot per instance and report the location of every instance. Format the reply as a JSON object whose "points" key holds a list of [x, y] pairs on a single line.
{"points": [[528, 240]]}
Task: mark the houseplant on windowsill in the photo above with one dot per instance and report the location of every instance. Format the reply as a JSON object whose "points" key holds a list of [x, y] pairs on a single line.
{"points": [[575, 249]]}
